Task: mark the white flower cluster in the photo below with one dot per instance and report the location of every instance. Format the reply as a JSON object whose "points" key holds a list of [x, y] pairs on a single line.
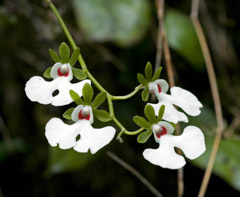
{"points": [[191, 141], [57, 132]]}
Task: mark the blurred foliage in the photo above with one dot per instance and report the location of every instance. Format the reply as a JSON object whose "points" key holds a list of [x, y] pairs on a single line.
{"points": [[123, 22], [227, 164], [182, 38], [117, 39]]}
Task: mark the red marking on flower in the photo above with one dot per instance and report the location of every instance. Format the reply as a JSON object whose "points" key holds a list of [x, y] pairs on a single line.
{"points": [[60, 74], [162, 132], [81, 116], [159, 88]]}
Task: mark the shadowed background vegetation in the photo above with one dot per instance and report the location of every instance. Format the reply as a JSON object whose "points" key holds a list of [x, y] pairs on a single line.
{"points": [[117, 38]]}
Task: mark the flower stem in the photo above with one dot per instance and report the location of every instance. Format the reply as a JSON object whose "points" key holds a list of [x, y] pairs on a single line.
{"points": [[128, 95], [110, 98]]}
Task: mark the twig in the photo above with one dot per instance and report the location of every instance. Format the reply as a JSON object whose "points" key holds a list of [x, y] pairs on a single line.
{"points": [[160, 11], [215, 94], [167, 56], [135, 172]]}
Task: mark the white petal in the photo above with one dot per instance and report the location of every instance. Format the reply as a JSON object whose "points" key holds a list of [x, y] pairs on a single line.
{"points": [[37, 89], [93, 139], [165, 156], [191, 142], [60, 133], [54, 71], [186, 100], [64, 86], [170, 113]]}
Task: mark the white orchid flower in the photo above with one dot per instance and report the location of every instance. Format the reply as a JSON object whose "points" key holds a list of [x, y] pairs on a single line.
{"points": [[65, 135], [39, 90], [191, 142], [179, 97]]}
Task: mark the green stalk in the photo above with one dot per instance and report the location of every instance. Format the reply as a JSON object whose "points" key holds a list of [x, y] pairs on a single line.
{"points": [[128, 95], [110, 98]]}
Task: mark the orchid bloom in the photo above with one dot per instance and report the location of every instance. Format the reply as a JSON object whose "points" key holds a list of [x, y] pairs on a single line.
{"points": [[179, 97], [65, 135], [191, 142], [37, 89]]}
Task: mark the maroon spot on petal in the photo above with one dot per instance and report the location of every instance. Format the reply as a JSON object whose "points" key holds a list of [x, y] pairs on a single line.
{"points": [[162, 132], [81, 116], [159, 88], [60, 74]]}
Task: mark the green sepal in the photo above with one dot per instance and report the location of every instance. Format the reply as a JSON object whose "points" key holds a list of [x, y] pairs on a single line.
{"points": [[64, 52], [141, 79], [141, 122], [145, 94], [161, 113], [148, 71], [150, 114], [144, 136], [76, 98], [54, 56], [79, 74], [68, 114], [102, 115], [87, 93], [74, 56], [157, 74], [47, 73], [99, 99]]}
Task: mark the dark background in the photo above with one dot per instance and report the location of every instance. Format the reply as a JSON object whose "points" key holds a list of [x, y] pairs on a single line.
{"points": [[30, 167]]}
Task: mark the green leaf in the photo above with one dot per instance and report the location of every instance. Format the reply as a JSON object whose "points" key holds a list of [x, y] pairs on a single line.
{"points": [[99, 99], [161, 113], [123, 22], [148, 71], [54, 56], [64, 52], [102, 115], [141, 122], [74, 56], [157, 74], [61, 161], [141, 79], [79, 74], [227, 163], [47, 73], [145, 94], [68, 114], [87, 93], [76, 98], [144, 136], [183, 39], [150, 114]]}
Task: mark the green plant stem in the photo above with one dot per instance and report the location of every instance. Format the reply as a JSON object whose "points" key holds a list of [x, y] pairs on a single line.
{"points": [[128, 95], [110, 98]]}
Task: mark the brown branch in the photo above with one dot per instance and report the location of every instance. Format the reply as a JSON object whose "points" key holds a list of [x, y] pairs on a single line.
{"points": [[163, 45], [160, 11], [134, 172], [215, 94]]}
